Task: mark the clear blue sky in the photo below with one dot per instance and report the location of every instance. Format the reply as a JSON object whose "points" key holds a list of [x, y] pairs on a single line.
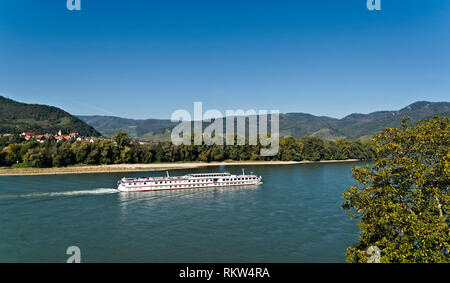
{"points": [[145, 59]]}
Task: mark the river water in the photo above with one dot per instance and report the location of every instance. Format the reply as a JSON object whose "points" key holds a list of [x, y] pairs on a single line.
{"points": [[295, 216]]}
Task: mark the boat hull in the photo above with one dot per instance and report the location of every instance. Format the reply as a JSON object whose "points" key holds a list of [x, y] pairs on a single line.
{"points": [[124, 189]]}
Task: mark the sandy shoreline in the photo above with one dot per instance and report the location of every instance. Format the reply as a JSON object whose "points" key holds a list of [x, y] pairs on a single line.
{"points": [[142, 167]]}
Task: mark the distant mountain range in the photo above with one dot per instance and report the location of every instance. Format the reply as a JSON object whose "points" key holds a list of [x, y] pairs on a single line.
{"points": [[297, 125], [150, 129], [16, 117]]}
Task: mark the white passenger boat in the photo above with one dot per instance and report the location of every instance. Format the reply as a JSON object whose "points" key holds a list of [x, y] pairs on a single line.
{"points": [[191, 181]]}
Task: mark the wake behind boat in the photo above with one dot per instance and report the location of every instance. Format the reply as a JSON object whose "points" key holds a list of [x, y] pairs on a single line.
{"points": [[191, 181]]}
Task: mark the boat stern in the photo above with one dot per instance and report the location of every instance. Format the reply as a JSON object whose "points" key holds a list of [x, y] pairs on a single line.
{"points": [[121, 185]]}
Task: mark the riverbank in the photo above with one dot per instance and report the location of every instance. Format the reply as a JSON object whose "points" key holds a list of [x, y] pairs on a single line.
{"points": [[83, 169]]}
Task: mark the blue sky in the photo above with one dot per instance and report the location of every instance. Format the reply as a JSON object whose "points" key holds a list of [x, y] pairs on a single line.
{"points": [[145, 59]]}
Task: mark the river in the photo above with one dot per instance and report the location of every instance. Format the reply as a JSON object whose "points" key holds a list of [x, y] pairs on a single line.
{"points": [[294, 216]]}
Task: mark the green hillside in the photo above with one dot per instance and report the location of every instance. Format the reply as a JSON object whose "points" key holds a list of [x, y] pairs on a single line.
{"points": [[297, 125], [16, 117], [359, 125], [150, 129]]}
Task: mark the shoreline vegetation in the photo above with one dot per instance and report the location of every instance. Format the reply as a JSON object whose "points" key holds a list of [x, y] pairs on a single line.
{"points": [[117, 168], [120, 154]]}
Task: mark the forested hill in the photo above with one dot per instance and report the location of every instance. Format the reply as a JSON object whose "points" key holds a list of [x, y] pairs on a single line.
{"points": [[16, 117], [150, 129], [297, 125]]}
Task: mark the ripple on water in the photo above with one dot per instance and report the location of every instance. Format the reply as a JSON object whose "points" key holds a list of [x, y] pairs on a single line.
{"points": [[295, 216]]}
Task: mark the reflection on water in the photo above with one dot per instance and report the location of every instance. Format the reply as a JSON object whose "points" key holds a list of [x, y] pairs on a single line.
{"points": [[149, 198]]}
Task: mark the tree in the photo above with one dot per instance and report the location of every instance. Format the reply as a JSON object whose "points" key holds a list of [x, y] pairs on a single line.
{"points": [[369, 150], [38, 157], [81, 149], [12, 153], [108, 152], [290, 149], [344, 149], [146, 155], [126, 155], [94, 155], [403, 199], [63, 155], [121, 139], [217, 153], [314, 148]]}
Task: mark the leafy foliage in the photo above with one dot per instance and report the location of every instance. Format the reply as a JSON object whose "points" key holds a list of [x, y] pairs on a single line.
{"points": [[403, 200], [121, 150]]}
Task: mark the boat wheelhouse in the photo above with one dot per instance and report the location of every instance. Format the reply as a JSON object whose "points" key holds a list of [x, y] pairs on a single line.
{"points": [[190, 181]]}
